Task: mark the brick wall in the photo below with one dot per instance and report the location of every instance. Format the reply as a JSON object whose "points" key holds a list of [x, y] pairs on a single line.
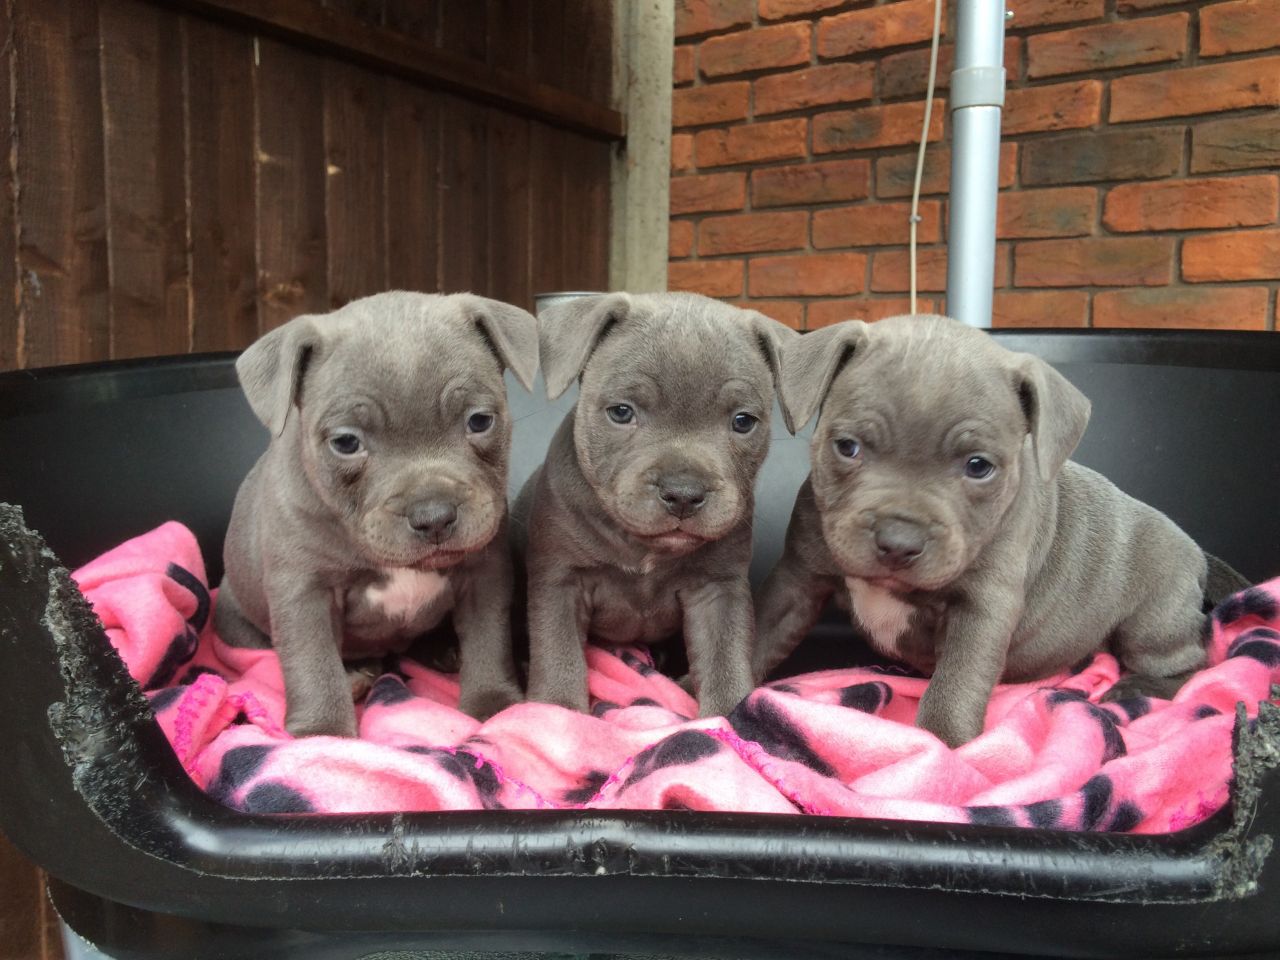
{"points": [[1138, 169]]}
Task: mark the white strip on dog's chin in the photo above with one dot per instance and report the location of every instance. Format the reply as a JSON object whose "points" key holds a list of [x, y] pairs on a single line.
{"points": [[406, 591], [881, 614]]}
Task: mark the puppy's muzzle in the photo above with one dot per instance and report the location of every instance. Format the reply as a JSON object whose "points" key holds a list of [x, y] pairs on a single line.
{"points": [[899, 541], [433, 520], [683, 495]]}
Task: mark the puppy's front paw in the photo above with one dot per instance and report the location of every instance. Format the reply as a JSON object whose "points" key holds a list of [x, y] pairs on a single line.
{"points": [[323, 720], [483, 702], [952, 726]]}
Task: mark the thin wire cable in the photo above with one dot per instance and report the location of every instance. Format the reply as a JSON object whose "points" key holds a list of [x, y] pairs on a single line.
{"points": [[924, 142]]}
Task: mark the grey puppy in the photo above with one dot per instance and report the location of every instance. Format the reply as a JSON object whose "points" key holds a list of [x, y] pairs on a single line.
{"points": [[380, 504], [942, 509], [639, 521]]}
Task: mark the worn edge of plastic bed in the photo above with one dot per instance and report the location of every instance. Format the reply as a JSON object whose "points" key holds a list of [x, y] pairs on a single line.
{"points": [[94, 747]]}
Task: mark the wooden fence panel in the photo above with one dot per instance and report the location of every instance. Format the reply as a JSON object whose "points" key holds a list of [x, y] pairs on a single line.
{"points": [[187, 174]]}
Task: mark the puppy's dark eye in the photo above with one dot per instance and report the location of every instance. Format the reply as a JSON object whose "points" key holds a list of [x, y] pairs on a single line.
{"points": [[620, 413], [978, 468], [744, 422], [345, 444], [479, 422], [848, 448]]}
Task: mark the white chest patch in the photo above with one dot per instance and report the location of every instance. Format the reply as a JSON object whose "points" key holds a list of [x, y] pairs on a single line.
{"points": [[405, 591], [882, 614]]}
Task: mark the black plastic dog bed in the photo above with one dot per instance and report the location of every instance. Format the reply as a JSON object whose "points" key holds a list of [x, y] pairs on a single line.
{"points": [[142, 864]]}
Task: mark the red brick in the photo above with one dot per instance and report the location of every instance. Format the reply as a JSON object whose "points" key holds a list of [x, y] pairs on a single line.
{"points": [[889, 125], [1212, 89], [1193, 204], [1103, 155], [1037, 13], [1060, 212], [781, 9], [896, 174], [1243, 255], [815, 87], [789, 312], [1239, 27], [875, 225], [714, 278], [705, 16], [714, 103], [891, 270], [684, 65], [755, 143], [907, 74], [807, 275], [761, 48], [1094, 261], [1137, 6], [1221, 308], [1060, 106], [679, 239], [712, 191], [1040, 308], [753, 232], [823, 313], [681, 152], [826, 182], [1237, 143], [1108, 45], [876, 28]]}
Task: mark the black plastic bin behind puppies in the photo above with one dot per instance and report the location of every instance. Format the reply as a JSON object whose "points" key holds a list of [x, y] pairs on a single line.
{"points": [[142, 864]]}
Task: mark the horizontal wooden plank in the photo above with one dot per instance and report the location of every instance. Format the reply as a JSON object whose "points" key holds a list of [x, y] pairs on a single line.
{"points": [[340, 34]]}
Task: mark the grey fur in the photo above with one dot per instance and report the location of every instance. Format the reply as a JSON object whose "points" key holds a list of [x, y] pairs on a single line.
{"points": [[605, 557], [316, 537], [1018, 575]]}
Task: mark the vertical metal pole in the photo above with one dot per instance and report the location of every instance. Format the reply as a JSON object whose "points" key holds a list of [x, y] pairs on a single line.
{"points": [[977, 96]]}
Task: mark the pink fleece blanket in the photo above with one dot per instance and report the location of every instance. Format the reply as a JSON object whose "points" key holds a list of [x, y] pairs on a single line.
{"points": [[840, 742]]}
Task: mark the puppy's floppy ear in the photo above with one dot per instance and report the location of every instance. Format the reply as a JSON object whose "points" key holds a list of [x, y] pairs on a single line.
{"points": [[512, 332], [1056, 412], [773, 338], [568, 332], [809, 364], [272, 368]]}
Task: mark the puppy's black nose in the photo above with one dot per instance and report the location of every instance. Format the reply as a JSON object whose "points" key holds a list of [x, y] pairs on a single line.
{"points": [[433, 519], [683, 496], [899, 542]]}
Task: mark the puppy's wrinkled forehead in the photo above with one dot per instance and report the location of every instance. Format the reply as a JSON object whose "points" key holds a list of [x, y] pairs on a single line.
{"points": [[680, 360], [920, 382], [409, 360]]}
